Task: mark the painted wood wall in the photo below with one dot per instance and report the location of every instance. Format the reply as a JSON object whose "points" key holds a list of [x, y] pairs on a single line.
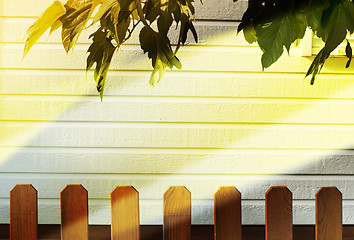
{"points": [[219, 121]]}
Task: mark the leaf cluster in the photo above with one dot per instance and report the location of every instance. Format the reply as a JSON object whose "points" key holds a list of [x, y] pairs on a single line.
{"points": [[115, 21], [275, 24]]}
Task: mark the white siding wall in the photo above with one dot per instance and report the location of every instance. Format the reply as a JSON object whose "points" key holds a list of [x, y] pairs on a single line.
{"points": [[219, 121]]}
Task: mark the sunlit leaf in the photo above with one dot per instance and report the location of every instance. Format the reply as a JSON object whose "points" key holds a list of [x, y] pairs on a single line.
{"points": [[249, 33], [46, 20], [106, 6], [75, 20]]}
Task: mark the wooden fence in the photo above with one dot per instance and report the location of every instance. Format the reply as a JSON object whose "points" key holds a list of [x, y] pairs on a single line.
{"points": [[176, 213]]}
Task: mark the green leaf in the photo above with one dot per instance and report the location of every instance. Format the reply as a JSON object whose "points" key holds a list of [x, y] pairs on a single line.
{"points": [[334, 22], [249, 33], [100, 52], [273, 36], [159, 50], [46, 20]]}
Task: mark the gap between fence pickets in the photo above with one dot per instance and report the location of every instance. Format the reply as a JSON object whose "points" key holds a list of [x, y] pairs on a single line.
{"points": [[176, 213]]}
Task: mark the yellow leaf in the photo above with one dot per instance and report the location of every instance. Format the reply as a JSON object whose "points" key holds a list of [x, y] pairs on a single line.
{"points": [[57, 24], [68, 4], [47, 19], [106, 5], [135, 15]]}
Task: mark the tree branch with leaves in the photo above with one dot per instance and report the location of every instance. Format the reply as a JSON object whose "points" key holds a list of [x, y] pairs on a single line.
{"points": [[273, 24]]}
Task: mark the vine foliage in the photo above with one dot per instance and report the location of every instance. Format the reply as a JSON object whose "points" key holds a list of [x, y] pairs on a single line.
{"points": [[274, 24]]}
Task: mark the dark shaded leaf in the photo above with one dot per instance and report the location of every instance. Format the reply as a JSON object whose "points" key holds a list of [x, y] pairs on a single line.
{"points": [[348, 53], [100, 52], [159, 50]]}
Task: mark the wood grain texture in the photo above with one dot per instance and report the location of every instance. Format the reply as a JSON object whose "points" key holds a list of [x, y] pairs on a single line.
{"points": [[227, 214], [329, 214], [23, 212], [279, 221], [74, 213], [125, 213], [177, 214]]}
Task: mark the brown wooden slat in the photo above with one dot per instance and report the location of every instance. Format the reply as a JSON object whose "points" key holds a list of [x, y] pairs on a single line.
{"points": [[279, 218], [177, 214], [227, 214], [125, 213], [74, 213], [329, 214], [23, 212]]}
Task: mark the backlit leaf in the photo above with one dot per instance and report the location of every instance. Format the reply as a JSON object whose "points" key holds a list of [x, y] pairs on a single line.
{"points": [[46, 20], [75, 20]]}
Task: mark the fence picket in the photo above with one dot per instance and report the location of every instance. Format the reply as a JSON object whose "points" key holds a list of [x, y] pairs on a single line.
{"points": [[74, 213], [279, 218], [329, 214], [177, 214], [23, 212], [227, 214], [125, 213]]}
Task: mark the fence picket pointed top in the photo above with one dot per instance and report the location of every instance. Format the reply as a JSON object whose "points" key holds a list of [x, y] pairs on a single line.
{"points": [[76, 187], [29, 187], [124, 188], [228, 189], [177, 190], [329, 190], [278, 188]]}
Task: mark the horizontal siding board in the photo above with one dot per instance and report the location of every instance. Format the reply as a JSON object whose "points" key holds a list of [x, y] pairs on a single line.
{"points": [[150, 186], [220, 10], [177, 83], [132, 58], [145, 135], [209, 33], [193, 58], [167, 109], [170, 161]]}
